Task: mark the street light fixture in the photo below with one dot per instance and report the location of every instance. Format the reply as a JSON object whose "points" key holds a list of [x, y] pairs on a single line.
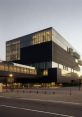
{"points": [[10, 75], [10, 80]]}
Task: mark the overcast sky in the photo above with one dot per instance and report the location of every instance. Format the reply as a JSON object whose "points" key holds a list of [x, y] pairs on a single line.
{"points": [[21, 17]]}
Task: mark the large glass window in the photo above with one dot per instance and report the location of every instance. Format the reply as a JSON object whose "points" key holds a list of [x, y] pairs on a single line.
{"points": [[45, 73], [6, 67], [60, 66], [1, 67], [59, 40], [13, 50], [54, 64], [41, 37]]}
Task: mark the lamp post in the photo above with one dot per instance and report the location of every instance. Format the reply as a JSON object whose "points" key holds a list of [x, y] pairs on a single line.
{"points": [[79, 83], [10, 75], [10, 80]]}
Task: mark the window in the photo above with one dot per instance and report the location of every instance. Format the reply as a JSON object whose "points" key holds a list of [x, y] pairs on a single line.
{"points": [[6, 67], [42, 37], [45, 73], [11, 68], [1, 67], [60, 66], [13, 50]]}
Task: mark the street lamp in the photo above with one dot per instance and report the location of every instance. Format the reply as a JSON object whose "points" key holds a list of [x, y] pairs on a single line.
{"points": [[79, 81], [10, 75], [10, 79]]}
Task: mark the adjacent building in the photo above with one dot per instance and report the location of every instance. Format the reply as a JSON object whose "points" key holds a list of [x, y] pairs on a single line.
{"points": [[13, 72], [46, 50]]}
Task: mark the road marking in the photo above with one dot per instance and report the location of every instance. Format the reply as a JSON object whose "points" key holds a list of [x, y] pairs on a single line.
{"points": [[5, 97], [41, 100], [53, 101], [38, 111]]}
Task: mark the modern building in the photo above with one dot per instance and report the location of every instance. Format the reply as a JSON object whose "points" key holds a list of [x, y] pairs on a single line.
{"points": [[46, 50], [13, 72]]}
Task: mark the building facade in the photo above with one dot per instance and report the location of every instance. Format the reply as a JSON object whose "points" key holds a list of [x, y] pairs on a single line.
{"points": [[16, 72], [46, 50]]}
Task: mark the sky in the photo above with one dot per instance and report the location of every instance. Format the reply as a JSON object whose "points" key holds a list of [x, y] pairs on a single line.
{"points": [[21, 17]]}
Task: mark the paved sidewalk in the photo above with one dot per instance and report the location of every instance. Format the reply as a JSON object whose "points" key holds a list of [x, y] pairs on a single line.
{"points": [[67, 94]]}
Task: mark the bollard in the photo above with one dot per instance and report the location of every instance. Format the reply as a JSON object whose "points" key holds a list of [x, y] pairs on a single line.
{"points": [[53, 92], [37, 92]]}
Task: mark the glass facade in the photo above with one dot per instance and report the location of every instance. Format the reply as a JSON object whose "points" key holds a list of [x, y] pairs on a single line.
{"points": [[54, 65], [59, 40], [43, 50], [13, 50], [65, 71], [42, 65], [18, 68], [50, 34], [41, 37]]}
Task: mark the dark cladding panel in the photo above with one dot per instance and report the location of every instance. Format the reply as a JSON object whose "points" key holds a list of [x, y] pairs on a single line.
{"points": [[52, 74], [37, 53], [61, 56]]}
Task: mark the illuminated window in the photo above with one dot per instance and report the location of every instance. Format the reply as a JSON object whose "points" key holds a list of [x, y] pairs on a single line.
{"points": [[42, 37], [18, 69], [6, 67], [11, 68], [69, 69], [13, 50], [35, 72], [14, 68], [27, 71], [45, 73], [30, 71], [60, 66], [24, 70], [1, 67]]}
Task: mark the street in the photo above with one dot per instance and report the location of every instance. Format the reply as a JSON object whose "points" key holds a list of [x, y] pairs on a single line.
{"points": [[29, 108]]}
